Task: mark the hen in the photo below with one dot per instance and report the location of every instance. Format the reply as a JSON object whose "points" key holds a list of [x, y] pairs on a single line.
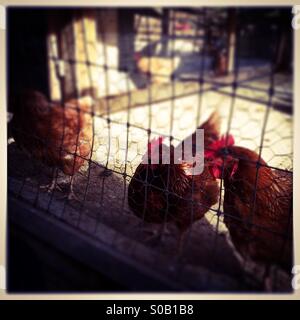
{"points": [[59, 136], [160, 193], [257, 203]]}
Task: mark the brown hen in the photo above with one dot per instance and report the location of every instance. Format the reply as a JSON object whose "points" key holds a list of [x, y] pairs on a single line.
{"points": [[59, 136], [160, 193], [257, 204]]}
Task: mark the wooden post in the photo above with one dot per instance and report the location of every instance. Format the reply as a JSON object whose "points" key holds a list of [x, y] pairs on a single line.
{"points": [[231, 39], [72, 54]]}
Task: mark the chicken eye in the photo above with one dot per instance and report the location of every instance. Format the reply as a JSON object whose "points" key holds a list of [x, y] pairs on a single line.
{"points": [[225, 152]]}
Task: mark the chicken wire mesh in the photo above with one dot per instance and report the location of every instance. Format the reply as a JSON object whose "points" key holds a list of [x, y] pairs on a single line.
{"points": [[121, 77]]}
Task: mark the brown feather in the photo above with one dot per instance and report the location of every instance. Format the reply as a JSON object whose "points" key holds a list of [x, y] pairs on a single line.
{"points": [[258, 212], [164, 192], [56, 135]]}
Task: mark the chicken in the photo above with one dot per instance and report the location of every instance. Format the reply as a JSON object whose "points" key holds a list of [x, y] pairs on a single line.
{"points": [[159, 68], [59, 136], [160, 193], [257, 203]]}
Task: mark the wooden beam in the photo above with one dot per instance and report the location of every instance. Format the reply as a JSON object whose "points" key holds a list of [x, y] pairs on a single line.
{"points": [[231, 39]]}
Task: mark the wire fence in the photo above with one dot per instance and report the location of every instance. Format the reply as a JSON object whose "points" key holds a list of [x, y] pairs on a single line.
{"points": [[178, 67]]}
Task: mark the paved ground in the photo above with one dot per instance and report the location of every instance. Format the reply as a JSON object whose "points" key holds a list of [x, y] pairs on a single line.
{"points": [[104, 213]]}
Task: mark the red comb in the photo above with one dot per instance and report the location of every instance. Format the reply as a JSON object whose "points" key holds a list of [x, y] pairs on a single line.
{"points": [[224, 141], [152, 146], [155, 142]]}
